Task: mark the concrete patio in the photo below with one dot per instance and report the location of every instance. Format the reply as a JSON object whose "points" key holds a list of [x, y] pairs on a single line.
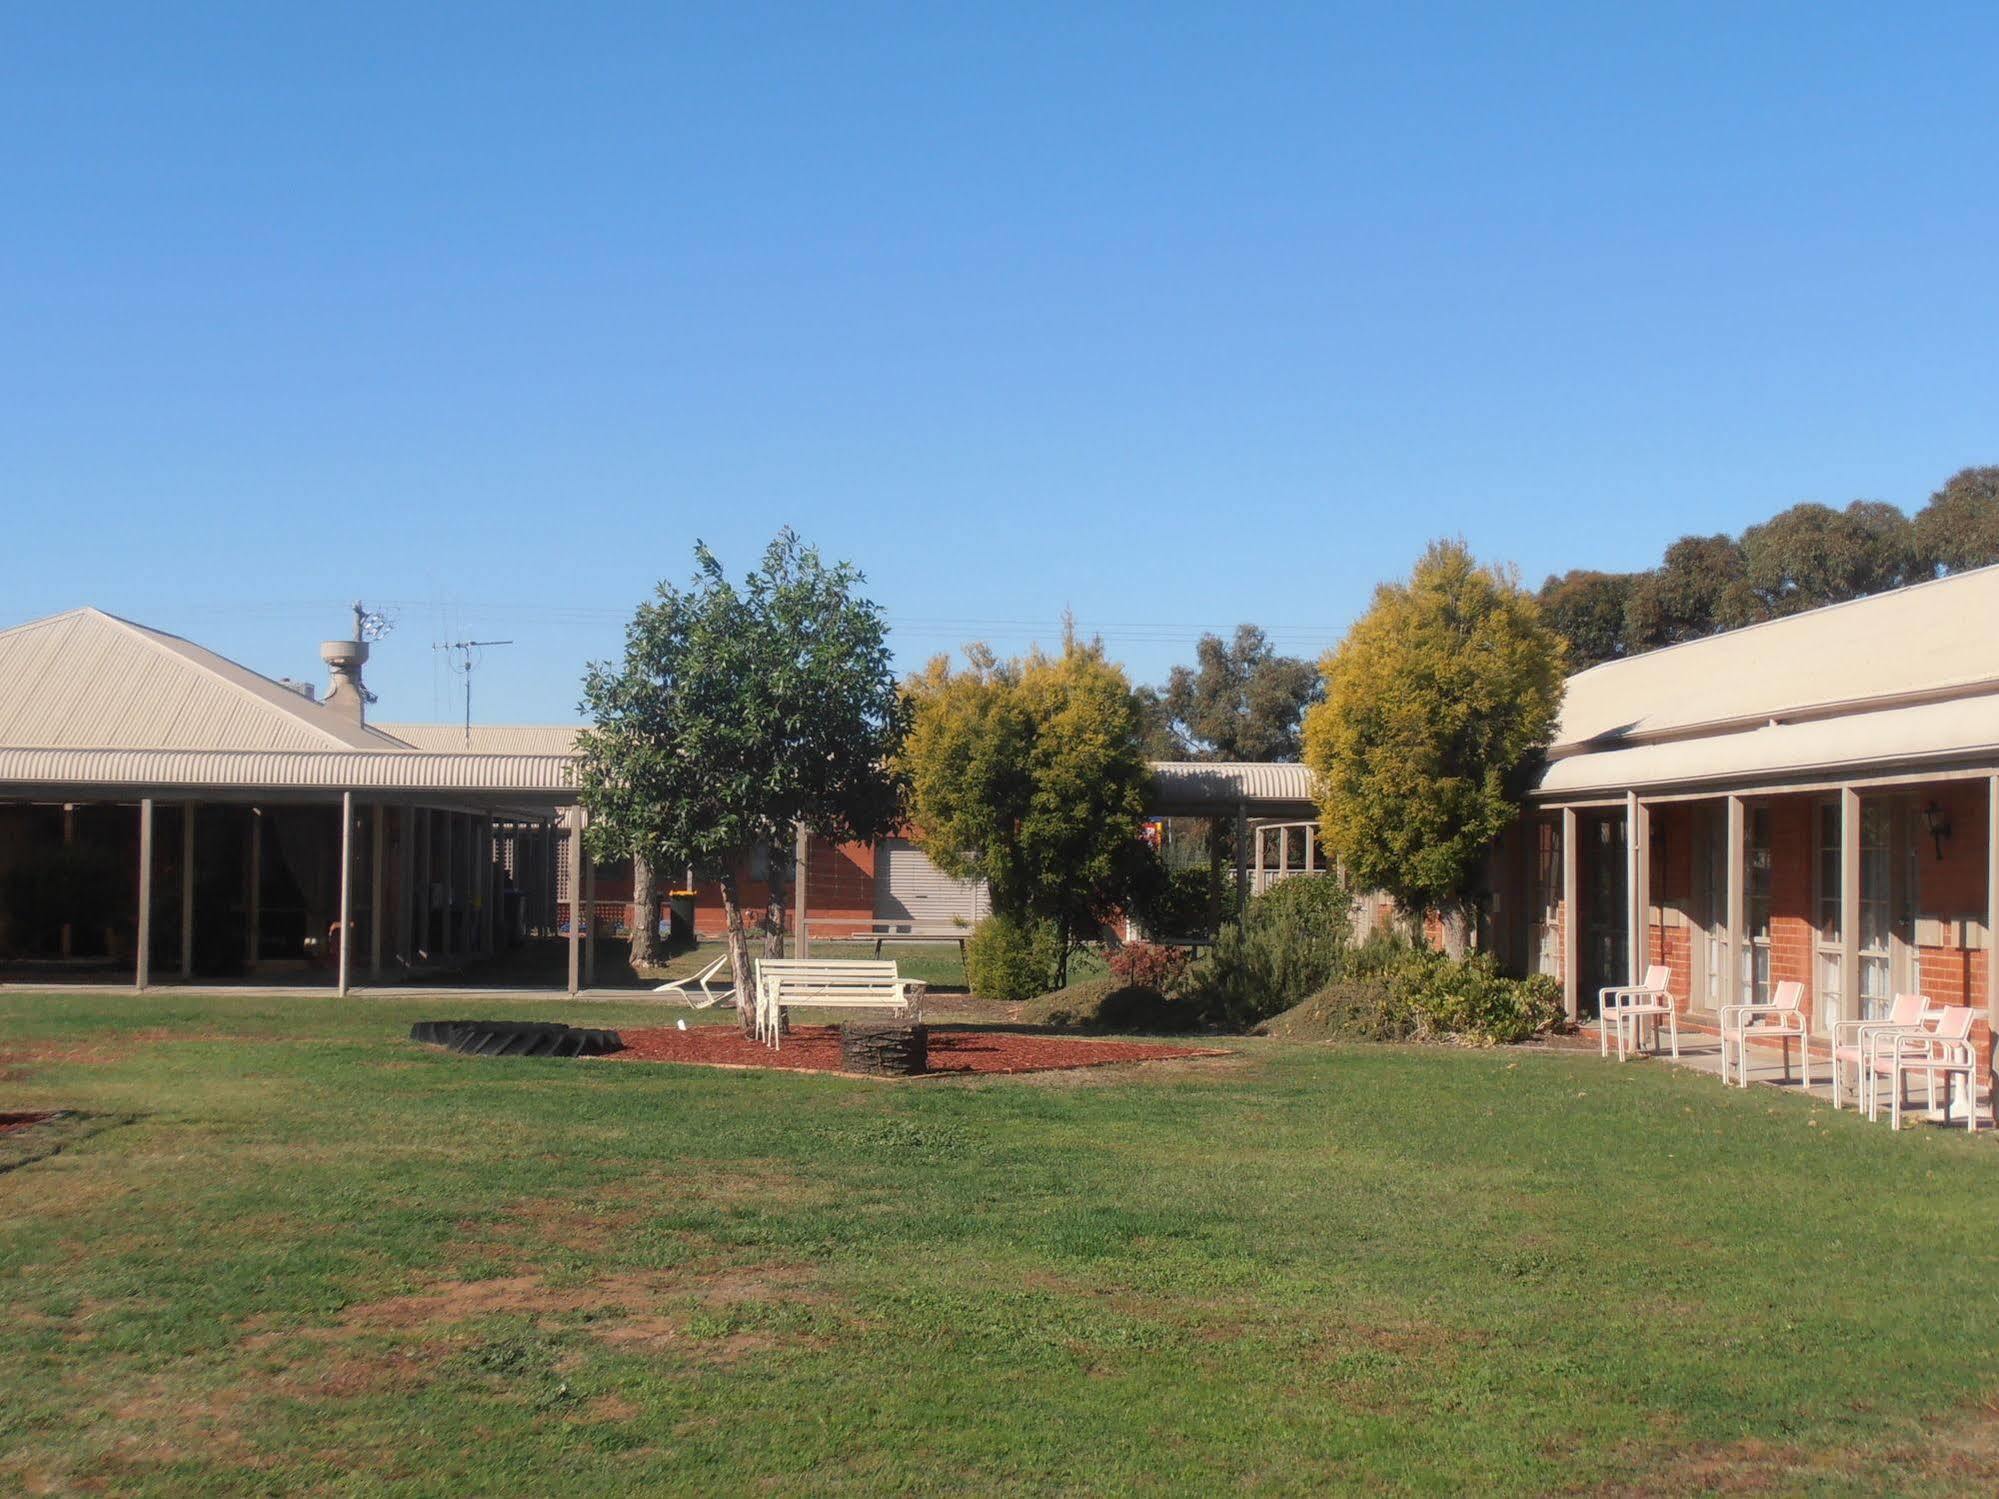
{"points": [[1700, 1050]]}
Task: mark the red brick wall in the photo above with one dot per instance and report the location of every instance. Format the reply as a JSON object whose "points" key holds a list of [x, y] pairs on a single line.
{"points": [[1793, 937], [1671, 941]]}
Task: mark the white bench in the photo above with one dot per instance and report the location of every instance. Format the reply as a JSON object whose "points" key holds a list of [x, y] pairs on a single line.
{"points": [[829, 983]]}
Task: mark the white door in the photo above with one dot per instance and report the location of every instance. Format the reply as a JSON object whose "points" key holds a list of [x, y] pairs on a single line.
{"points": [[911, 891]]}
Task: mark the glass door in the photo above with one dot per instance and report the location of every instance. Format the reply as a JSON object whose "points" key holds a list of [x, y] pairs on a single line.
{"points": [[1604, 946], [1828, 997], [1711, 906], [1545, 914], [1755, 971]]}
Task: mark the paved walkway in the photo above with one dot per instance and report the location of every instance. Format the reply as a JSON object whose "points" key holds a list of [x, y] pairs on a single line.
{"points": [[1700, 1049]]}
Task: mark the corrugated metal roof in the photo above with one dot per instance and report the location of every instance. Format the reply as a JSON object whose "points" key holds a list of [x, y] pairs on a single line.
{"points": [[1222, 784], [343, 769], [1928, 639], [89, 680], [487, 739], [1964, 730]]}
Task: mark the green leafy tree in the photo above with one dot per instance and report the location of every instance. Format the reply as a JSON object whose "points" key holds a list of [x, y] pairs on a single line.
{"points": [[1959, 527], [1700, 586], [1812, 555], [1587, 610], [1241, 700], [1031, 775], [737, 714], [1437, 702]]}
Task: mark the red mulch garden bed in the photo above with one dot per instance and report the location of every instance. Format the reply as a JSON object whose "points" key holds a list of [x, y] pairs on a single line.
{"points": [[816, 1048], [12, 1122]]}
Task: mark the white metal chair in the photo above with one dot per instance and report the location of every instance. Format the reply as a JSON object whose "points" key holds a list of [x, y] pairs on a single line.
{"points": [[1859, 1044], [1634, 1003], [1783, 1017], [1945, 1051], [709, 996]]}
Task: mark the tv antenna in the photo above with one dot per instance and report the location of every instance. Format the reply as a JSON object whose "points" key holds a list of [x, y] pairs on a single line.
{"points": [[470, 653]]}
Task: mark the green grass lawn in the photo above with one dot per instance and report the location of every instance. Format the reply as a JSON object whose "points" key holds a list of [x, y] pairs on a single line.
{"points": [[286, 1249]]}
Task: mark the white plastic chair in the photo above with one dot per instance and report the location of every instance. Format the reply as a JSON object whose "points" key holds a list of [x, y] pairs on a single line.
{"points": [[1945, 1051], [1783, 1017], [1633, 1003], [709, 996], [1859, 1044]]}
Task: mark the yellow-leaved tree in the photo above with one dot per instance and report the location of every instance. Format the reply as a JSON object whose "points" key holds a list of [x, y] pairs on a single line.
{"points": [[1438, 704]]}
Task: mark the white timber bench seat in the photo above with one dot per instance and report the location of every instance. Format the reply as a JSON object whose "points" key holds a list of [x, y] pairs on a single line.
{"points": [[825, 983]]}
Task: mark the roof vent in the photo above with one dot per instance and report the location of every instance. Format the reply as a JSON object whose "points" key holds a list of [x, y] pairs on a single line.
{"points": [[344, 692], [304, 689]]}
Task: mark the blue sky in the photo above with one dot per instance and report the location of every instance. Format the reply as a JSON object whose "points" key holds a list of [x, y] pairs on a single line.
{"points": [[1172, 315]]}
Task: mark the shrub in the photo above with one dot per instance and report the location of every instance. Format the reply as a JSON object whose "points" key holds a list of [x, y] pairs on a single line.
{"points": [[1470, 1000], [1179, 902], [1009, 958], [1348, 1009], [1106, 1004], [1289, 943], [1150, 965]]}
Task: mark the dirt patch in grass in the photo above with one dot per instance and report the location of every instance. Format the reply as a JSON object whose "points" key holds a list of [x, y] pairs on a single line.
{"points": [[637, 1308], [9, 1123]]}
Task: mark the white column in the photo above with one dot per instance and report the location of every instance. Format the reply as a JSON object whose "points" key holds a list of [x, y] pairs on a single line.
{"points": [[142, 973], [187, 890], [346, 888], [1731, 987], [1572, 943], [588, 866], [377, 856], [800, 857], [1849, 907], [1311, 848], [1638, 886], [1992, 903], [575, 821], [253, 904]]}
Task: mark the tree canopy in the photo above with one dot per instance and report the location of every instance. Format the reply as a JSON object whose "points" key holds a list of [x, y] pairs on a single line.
{"points": [[1959, 528], [1030, 774], [1436, 704], [1801, 558], [1241, 700], [738, 713]]}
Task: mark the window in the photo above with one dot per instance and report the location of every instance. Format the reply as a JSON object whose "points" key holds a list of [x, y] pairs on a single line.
{"points": [[1547, 897]]}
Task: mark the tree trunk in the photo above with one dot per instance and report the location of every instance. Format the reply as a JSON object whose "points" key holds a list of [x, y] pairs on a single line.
{"points": [[1456, 924], [645, 914], [739, 953], [779, 889]]}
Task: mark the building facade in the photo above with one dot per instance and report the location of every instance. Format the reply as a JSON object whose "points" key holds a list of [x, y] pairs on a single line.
{"points": [[1814, 798]]}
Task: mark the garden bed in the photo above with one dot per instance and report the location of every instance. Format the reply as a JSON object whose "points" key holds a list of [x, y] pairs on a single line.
{"points": [[816, 1048]]}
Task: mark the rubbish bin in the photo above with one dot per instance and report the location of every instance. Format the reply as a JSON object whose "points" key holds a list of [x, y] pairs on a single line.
{"points": [[680, 918]]}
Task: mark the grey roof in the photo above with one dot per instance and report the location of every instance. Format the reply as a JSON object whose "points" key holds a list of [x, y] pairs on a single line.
{"points": [[487, 739], [89, 680], [1907, 679], [1932, 638], [1212, 786]]}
